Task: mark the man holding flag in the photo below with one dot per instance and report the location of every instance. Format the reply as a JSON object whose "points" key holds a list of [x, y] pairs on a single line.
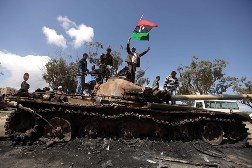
{"points": [[133, 59], [141, 32]]}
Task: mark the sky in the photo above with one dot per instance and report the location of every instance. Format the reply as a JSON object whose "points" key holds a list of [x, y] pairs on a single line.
{"points": [[33, 31]]}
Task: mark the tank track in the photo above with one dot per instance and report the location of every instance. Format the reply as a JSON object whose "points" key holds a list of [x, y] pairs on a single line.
{"points": [[20, 126], [32, 131]]}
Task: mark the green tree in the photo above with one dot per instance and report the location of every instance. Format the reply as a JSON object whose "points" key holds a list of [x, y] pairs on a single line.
{"points": [[204, 77], [140, 79], [243, 86], [59, 72], [92, 49]]}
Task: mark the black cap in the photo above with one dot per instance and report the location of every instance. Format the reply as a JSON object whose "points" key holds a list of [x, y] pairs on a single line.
{"points": [[85, 54], [174, 72]]}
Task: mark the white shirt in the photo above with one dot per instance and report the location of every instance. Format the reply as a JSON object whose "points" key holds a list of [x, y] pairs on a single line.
{"points": [[134, 58]]}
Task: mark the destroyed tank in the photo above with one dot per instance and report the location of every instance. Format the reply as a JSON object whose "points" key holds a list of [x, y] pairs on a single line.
{"points": [[119, 108]]}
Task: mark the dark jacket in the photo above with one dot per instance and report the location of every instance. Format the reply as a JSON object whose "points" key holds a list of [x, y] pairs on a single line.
{"points": [[106, 59], [24, 86], [23, 91], [130, 54], [82, 67]]}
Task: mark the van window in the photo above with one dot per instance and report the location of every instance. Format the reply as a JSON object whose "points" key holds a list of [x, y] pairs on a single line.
{"points": [[218, 105], [207, 104], [199, 105], [221, 105], [212, 105], [232, 105]]}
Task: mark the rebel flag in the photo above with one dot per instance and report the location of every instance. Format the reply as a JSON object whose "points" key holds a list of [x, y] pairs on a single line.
{"points": [[142, 29]]}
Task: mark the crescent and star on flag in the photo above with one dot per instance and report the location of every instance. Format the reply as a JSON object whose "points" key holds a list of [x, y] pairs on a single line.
{"points": [[141, 31]]}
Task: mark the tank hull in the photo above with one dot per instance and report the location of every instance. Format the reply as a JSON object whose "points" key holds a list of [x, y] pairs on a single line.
{"points": [[59, 122], [119, 108]]}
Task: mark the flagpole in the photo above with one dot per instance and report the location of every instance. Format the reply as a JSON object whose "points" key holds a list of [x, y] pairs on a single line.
{"points": [[141, 17]]}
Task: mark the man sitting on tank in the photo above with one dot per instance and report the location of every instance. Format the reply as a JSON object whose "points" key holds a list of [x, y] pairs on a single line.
{"points": [[23, 91], [60, 96], [125, 73], [93, 74], [161, 95]]}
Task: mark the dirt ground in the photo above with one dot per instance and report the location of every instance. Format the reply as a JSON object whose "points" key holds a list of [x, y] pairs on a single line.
{"points": [[102, 152]]}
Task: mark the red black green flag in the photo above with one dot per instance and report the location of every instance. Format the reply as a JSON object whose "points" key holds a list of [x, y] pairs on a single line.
{"points": [[142, 29]]}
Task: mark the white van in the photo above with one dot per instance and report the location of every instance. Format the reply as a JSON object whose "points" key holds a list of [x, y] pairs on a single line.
{"points": [[227, 106]]}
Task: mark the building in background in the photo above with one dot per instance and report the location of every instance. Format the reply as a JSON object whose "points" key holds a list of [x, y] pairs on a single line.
{"points": [[8, 91]]}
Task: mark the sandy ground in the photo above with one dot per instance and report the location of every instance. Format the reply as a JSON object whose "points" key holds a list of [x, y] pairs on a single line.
{"points": [[102, 152]]}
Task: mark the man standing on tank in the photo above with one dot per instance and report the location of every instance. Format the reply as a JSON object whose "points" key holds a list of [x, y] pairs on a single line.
{"points": [[133, 59], [171, 84], [81, 74], [106, 58], [107, 62]]}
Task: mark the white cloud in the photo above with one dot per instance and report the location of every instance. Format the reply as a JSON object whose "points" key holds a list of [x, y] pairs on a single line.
{"points": [[14, 66], [66, 23], [53, 38], [81, 35]]}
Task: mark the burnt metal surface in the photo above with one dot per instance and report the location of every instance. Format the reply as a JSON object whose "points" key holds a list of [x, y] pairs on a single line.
{"points": [[3, 105], [116, 87], [127, 122], [122, 109]]}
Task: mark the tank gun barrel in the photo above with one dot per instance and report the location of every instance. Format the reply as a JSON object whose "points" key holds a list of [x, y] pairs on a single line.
{"points": [[212, 97]]}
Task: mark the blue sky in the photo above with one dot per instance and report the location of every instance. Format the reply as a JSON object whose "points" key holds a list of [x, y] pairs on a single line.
{"points": [[209, 29]]}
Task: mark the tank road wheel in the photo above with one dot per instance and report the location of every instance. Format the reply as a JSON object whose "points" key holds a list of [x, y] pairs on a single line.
{"points": [[212, 133], [181, 133], [59, 128], [128, 129], [159, 133], [184, 132], [236, 132], [20, 125], [89, 128]]}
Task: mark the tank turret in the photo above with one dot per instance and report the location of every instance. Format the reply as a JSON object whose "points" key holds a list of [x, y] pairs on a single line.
{"points": [[117, 87]]}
